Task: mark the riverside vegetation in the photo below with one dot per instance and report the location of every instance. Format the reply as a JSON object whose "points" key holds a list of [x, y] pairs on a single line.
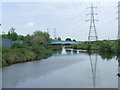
{"points": [[105, 46], [34, 47]]}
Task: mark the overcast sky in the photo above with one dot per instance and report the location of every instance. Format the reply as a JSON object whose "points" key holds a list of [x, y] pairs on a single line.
{"points": [[67, 17]]}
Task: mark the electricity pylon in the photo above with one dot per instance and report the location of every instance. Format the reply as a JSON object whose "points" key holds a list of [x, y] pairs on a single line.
{"points": [[118, 20], [92, 30], [54, 33], [93, 62], [48, 30]]}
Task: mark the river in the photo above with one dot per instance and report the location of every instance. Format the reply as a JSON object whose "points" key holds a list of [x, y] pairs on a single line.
{"points": [[65, 69]]}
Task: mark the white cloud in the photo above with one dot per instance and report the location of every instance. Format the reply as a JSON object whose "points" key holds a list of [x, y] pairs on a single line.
{"points": [[65, 17], [30, 24]]}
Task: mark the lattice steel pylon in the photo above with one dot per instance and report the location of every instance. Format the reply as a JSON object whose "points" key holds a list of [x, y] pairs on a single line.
{"points": [[92, 36], [93, 62]]}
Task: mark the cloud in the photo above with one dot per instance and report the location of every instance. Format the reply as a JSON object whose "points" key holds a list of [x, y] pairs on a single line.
{"points": [[65, 17], [30, 24]]}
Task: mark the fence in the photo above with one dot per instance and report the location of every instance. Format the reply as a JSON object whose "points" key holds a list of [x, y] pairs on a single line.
{"points": [[8, 42]]}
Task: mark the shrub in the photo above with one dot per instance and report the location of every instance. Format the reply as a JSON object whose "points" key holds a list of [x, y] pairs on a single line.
{"points": [[17, 55]]}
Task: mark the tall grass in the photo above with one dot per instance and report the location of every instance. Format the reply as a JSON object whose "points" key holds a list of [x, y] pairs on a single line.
{"points": [[10, 56]]}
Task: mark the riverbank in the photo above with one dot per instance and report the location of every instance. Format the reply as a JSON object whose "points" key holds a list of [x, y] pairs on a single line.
{"points": [[105, 46], [19, 55], [66, 66], [34, 47]]}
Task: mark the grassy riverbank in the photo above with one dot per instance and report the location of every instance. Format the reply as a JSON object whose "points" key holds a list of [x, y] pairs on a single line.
{"points": [[105, 46], [11, 56], [34, 47]]}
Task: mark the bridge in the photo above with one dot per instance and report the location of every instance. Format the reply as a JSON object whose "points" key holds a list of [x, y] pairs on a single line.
{"points": [[65, 42]]}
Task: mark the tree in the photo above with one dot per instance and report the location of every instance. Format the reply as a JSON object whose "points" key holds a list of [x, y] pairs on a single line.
{"points": [[12, 30], [38, 40], [58, 39], [0, 36], [12, 34], [74, 40], [68, 39], [118, 46], [43, 34], [21, 37], [27, 39]]}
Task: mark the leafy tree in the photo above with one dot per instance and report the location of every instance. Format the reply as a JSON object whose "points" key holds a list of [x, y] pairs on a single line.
{"points": [[68, 39], [59, 39], [38, 40], [74, 40], [43, 34], [11, 34], [105, 46], [21, 37], [12, 30], [5, 36], [27, 39]]}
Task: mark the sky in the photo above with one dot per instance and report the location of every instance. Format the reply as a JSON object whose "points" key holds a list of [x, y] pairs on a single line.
{"points": [[69, 18]]}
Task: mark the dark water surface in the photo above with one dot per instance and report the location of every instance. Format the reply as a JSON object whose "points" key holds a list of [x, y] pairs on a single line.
{"points": [[66, 69]]}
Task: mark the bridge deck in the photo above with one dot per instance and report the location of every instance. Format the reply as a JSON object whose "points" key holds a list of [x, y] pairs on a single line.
{"points": [[64, 42]]}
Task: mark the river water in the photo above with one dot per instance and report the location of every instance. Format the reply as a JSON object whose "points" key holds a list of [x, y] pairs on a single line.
{"points": [[65, 69]]}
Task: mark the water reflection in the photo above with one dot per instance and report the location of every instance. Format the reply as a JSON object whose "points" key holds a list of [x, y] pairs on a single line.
{"points": [[66, 68], [93, 57], [93, 62], [107, 56], [71, 51], [74, 51], [57, 51], [118, 58], [104, 56], [68, 51], [36, 69]]}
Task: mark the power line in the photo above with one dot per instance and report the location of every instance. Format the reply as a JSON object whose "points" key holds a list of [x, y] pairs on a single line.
{"points": [[79, 13], [76, 8]]}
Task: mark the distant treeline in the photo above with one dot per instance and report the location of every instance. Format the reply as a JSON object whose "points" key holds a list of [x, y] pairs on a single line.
{"points": [[34, 47]]}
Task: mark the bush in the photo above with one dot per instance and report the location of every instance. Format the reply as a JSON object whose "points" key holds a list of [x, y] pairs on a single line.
{"points": [[15, 45], [17, 55], [74, 46], [111, 46], [41, 51]]}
